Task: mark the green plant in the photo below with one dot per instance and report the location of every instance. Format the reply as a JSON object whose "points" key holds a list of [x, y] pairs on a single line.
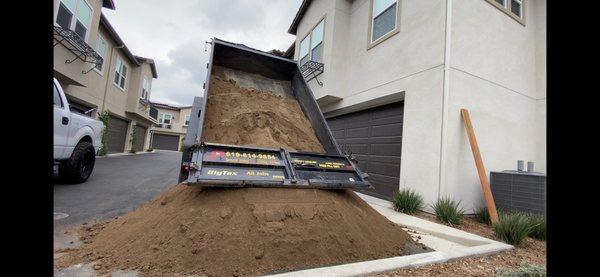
{"points": [[407, 201], [181, 145], [524, 270], [448, 211], [482, 215], [537, 223], [132, 139], [105, 118], [149, 150], [512, 228]]}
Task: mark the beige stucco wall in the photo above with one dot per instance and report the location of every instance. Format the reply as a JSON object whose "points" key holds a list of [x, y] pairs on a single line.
{"points": [[496, 70]]}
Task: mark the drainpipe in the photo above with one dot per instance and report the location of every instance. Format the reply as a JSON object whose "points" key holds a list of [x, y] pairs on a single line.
{"points": [[445, 96], [108, 74]]}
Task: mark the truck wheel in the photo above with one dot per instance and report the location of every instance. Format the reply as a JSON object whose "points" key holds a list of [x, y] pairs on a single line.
{"points": [[79, 166]]}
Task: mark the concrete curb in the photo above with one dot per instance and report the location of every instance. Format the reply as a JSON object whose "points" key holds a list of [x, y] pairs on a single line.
{"points": [[125, 154], [449, 244]]}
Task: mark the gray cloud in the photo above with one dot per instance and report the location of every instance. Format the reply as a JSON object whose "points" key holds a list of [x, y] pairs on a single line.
{"points": [[173, 34]]}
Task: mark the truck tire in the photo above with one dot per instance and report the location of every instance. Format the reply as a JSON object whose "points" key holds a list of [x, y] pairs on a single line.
{"points": [[78, 168]]}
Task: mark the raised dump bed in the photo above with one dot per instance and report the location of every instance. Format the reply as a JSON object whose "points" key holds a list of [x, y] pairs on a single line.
{"points": [[259, 125]]}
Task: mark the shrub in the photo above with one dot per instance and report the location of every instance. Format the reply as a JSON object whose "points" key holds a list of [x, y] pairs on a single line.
{"points": [[524, 270], [407, 201], [149, 150], [105, 118], [512, 228], [537, 223], [448, 211], [482, 215]]}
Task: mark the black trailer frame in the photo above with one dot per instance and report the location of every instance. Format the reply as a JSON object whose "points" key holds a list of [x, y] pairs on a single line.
{"points": [[321, 170]]}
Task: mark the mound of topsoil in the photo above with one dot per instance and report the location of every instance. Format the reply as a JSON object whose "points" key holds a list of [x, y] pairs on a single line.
{"points": [[248, 231], [242, 115]]}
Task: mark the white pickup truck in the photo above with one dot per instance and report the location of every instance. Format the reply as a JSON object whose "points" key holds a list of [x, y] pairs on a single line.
{"points": [[76, 139]]}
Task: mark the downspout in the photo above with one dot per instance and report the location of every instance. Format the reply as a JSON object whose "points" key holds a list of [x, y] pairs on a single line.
{"points": [[108, 74], [445, 96]]}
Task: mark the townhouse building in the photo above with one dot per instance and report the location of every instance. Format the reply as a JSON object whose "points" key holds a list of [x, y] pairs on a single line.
{"points": [[172, 126], [392, 75], [100, 74]]}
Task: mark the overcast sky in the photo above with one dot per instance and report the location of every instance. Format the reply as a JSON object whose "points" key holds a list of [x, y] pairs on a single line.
{"points": [[173, 33]]}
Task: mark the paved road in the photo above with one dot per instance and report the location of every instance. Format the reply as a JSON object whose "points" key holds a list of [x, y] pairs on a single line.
{"points": [[119, 184]]}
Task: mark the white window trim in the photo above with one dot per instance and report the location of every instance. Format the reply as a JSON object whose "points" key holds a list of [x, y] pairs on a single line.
{"points": [[506, 9], [390, 33], [74, 20], [142, 91], [101, 72], [124, 64], [163, 118], [309, 36], [186, 119]]}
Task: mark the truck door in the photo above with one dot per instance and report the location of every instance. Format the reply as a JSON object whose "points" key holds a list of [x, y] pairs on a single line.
{"points": [[61, 125]]}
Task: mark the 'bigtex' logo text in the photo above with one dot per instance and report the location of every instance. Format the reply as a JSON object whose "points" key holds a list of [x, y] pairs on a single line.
{"points": [[221, 172]]}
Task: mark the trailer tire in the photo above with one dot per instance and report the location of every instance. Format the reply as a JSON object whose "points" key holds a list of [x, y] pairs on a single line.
{"points": [[78, 168]]}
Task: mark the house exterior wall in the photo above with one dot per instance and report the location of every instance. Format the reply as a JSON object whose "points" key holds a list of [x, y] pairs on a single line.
{"points": [[488, 63], [96, 89], [178, 127], [496, 72]]}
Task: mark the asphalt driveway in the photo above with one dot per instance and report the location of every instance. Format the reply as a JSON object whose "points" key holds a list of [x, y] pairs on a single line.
{"points": [[118, 184]]}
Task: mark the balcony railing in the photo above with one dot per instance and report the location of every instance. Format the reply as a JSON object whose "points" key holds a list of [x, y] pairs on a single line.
{"points": [[311, 69], [75, 44]]}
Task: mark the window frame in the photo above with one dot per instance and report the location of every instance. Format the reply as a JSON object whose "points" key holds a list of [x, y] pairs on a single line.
{"points": [[507, 9], [186, 122], [123, 64], [101, 38], [73, 22], [162, 119], [309, 36], [145, 81], [372, 43]]}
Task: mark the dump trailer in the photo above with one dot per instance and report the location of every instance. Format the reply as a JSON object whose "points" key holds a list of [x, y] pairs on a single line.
{"points": [[211, 164]]}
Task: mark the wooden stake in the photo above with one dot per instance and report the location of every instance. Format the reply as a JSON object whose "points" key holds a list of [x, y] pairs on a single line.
{"points": [[485, 184]]}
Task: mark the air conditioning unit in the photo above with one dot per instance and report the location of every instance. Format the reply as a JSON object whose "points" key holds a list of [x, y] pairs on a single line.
{"points": [[168, 126], [519, 191]]}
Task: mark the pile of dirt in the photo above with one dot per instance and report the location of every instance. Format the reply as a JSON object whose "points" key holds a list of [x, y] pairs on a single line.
{"points": [[242, 115], [190, 230]]}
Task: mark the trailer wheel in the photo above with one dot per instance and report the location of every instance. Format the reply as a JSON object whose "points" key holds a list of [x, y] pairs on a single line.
{"points": [[78, 168]]}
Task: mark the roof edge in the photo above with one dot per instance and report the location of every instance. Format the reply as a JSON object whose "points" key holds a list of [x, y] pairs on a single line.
{"points": [[113, 34], [301, 11]]}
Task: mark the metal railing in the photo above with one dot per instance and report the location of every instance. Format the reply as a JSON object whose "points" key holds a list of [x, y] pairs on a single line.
{"points": [[311, 69], [77, 45]]}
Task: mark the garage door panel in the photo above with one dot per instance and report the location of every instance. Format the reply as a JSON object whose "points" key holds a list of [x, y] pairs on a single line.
{"points": [[374, 136], [117, 133], [357, 132], [387, 130], [140, 137], [165, 142], [386, 149]]}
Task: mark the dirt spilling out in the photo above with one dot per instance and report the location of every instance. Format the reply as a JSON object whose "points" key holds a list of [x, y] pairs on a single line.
{"points": [[245, 115], [247, 231]]}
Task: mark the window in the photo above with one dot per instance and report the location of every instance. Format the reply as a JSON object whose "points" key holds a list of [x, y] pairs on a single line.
{"points": [[304, 50], [145, 88], [57, 100], [187, 120], [311, 47], [514, 8], [120, 73], [79, 10], [383, 18], [165, 118], [101, 48]]}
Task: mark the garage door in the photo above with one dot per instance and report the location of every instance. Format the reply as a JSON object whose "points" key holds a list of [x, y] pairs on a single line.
{"points": [[117, 132], [165, 142], [140, 136], [375, 137]]}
